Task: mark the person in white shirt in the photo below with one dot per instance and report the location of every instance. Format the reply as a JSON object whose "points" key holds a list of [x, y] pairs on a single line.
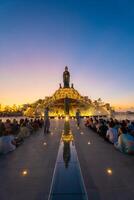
{"points": [[7, 143], [112, 133]]}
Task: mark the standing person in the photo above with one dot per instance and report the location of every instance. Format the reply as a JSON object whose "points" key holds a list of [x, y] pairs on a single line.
{"points": [[78, 117], [46, 120]]}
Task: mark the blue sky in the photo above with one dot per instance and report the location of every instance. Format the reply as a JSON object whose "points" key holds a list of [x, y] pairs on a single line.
{"points": [[94, 38]]}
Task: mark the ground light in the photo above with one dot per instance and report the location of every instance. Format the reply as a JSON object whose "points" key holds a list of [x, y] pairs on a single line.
{"points": [[109, 171], [24, 173]]}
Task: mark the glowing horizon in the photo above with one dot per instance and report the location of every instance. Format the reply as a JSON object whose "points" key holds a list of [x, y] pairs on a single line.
{"points": [[118, 106]]}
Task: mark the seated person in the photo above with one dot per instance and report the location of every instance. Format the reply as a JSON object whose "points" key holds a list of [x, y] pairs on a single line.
{"points": [[30, 127], [130, 125], [8, 126], [2, 128], [126, 141], [87, 122], [15, 127], [98, 125], [112, 133], [24, 131], [103, 129], [35, 125], [7, 143]]}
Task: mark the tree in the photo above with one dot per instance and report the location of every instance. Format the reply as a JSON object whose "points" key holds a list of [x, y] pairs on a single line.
{"points": [[29, 112]]}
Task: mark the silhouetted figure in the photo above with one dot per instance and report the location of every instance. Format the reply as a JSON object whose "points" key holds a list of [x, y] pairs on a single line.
{"points": [[60, 86], [72, 86], [66, 106], [46, 120], [78, 117]]}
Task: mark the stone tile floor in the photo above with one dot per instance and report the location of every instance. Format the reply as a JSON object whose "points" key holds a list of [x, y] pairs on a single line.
{"points": [[26, 173]]}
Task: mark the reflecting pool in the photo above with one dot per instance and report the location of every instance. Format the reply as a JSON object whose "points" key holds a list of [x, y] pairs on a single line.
{"points": [[67, 183]]}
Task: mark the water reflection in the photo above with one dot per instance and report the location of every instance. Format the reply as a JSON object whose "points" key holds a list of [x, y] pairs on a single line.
{"points": [[67, 138], [66, 154], [67, 179], [66, 127]]}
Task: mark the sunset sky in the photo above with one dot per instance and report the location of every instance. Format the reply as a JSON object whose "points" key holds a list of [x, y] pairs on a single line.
{"points": [[94, 38]]}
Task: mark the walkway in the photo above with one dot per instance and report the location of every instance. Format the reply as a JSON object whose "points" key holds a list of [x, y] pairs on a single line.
{"points": [[27, 172]]}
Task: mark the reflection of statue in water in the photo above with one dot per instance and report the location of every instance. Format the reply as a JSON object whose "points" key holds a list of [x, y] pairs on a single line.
{"points": [[66, 153], [66, 105], [66, 148], [66, 78], [66, 128]]}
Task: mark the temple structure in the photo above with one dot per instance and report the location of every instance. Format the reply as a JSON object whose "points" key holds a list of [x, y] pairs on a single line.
{"points": [[66, 100]]}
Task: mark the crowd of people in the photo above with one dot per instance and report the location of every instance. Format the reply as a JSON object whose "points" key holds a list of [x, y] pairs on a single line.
{"points": [[118, 133], [13, 133]]}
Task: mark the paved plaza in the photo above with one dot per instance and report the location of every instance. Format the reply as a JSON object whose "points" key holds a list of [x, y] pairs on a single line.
{"points": [[26, 173]]}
